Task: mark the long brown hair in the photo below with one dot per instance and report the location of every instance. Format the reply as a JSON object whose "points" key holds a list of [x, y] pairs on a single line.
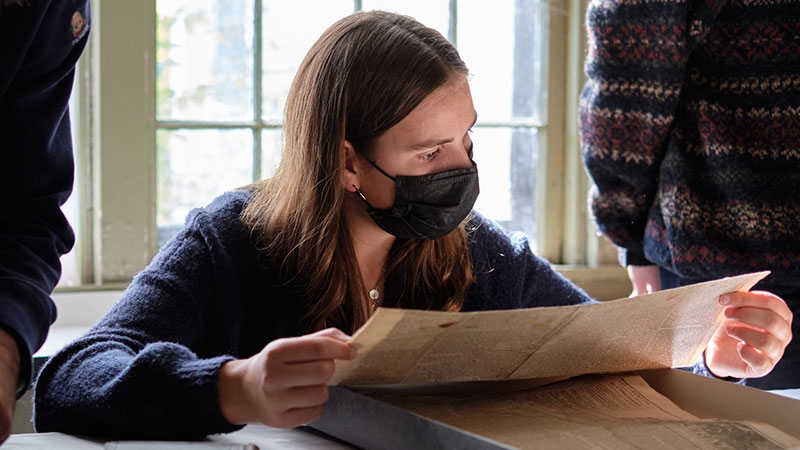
{"points": [[364, 75]]}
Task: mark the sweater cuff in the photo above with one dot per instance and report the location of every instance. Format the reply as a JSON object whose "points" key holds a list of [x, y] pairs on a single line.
{"points": [[202, 406], [700, 368], [632, 256], [25, 366], [26, 313]]}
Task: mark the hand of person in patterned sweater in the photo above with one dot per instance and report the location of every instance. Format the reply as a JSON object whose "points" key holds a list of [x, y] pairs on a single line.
{"points": [[752, 337], [284, 385], [644, 279]]}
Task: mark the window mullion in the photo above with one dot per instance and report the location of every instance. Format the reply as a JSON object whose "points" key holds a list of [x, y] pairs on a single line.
{"points": [[258, 94], [550, 167], [452, 31], [123, 139], [83, 168], [576, 243]]}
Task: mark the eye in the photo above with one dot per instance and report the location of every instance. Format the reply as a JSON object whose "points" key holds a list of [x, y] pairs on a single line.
{"points": [[429, 156]]}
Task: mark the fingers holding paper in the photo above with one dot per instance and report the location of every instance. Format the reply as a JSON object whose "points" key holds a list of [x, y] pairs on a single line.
{"points": [[752, 337], [285, 385]]}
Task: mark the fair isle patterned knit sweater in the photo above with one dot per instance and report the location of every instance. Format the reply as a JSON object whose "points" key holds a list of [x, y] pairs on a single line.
{"points": [[690, 128]]}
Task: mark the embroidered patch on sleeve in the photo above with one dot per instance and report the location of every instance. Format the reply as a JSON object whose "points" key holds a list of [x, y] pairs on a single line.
{"points": [[79, 26]]}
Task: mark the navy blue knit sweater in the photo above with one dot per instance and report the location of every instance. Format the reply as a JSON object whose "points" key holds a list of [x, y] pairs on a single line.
{"points": [[149, 368], [40, 42]]}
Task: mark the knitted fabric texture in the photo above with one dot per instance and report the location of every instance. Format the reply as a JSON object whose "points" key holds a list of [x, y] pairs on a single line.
{"points": [[149, 368], [690, 128]]}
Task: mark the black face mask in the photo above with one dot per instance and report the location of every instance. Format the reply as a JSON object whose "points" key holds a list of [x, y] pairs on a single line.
{"points": [[428, 206]]}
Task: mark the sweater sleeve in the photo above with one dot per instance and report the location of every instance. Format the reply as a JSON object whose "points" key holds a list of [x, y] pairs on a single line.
{"points": [[40, 43], [635, 68], [148, 369]]}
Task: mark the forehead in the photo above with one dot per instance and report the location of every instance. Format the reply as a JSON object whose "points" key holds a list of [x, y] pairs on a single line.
{"points": [[446, 113]]}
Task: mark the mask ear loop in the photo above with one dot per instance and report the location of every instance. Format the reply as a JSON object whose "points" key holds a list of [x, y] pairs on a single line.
{"points": [[361, 194], [382, 171], [375, 166]]}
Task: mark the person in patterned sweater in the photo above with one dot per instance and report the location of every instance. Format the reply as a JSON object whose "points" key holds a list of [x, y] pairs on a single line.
{"points": [[690, 130]]}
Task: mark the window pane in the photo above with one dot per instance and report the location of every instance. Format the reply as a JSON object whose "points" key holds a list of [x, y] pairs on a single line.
{"points": [[289, 31], [204, 60], [271, 151], [431, 13], [194, 166], [507, 67], [522, 171], [507, 159], [493, 156], [504, 46]]}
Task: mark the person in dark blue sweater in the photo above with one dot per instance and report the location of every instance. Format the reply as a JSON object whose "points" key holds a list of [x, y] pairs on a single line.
{"points": [[40, 42], [241, 316]]}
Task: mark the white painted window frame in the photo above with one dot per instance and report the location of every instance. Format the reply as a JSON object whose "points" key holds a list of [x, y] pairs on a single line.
{"points": [[118, 149]]}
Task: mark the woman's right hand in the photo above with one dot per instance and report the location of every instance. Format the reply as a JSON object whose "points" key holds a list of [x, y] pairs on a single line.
{"points": [[284, 385]]}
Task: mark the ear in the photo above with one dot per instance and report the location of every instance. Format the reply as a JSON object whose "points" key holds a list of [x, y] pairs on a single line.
{"points": [[351, 180]]}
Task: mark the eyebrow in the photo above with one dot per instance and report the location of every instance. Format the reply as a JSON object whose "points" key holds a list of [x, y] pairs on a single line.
{"points": [[435, 143]]}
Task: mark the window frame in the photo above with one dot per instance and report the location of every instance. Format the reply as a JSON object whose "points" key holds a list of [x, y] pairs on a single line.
{"points": [[118, 233]]}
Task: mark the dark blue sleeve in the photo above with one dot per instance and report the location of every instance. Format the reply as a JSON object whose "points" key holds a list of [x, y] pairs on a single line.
{"points": [[509, 275], [148, 369], [40, 42]]}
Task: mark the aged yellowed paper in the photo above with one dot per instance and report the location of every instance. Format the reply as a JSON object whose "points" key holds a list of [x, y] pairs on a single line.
{"points": [[588, 412], [668, 328]]}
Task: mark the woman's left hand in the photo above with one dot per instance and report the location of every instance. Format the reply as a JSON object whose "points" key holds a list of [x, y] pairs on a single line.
{"points": [[752, 337]]}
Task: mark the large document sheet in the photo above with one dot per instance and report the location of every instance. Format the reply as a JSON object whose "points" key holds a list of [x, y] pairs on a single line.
{"points": [[664, 329], [597, 411]]}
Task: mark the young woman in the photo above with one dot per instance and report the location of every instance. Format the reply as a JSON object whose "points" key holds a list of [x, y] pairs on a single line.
{"points": [[241, 316]]}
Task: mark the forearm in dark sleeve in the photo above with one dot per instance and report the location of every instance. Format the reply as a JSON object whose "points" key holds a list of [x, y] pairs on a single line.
{"points": [[36, 174], [635, 67]]}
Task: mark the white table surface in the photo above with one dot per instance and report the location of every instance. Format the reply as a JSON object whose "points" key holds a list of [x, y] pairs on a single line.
{"points": [[794, 393], [264, 437]]}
